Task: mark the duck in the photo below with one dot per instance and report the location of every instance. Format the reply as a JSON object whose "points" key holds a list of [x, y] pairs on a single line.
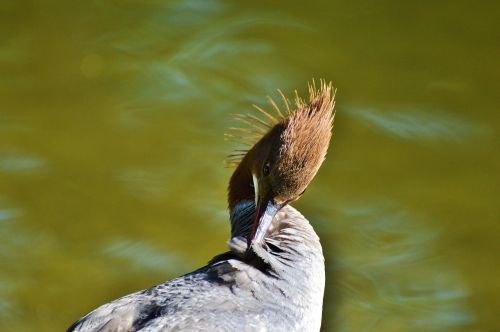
{"points": [[272, 278]]}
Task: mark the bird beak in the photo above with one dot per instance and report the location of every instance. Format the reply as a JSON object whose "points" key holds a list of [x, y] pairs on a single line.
{"points": [[265, 211]]}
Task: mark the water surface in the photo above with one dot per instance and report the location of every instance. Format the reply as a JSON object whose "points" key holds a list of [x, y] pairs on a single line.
{"points": [[112, 178]]}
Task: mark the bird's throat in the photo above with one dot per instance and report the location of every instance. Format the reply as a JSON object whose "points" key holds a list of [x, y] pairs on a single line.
{"points": [[241, 187]]}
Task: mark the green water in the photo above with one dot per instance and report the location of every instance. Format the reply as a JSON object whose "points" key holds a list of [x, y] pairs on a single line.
{"points": [[112, 179]]}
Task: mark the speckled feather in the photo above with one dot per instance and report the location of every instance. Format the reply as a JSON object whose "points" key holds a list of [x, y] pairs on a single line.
{"points": [[278, 287]]}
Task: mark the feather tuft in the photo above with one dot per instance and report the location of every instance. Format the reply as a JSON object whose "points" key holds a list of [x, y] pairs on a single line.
{"points": [[317, 108]]}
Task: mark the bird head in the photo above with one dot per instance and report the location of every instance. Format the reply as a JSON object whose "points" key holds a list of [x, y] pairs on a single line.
{"points": [[286, 158]]}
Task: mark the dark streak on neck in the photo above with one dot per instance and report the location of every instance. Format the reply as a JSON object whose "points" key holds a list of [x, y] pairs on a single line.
{"points": [[241, 183]]}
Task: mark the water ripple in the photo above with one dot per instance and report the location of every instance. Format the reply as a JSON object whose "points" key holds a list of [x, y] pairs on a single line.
{"points": [[11, 242], [147, 183], [418, 125], [203, 64], [387, 274], [14, 162], [141, 255]]}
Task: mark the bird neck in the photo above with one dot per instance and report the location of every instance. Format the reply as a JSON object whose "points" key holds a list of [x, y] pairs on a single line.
{"points": [[241, 183], [242, 216], [291, 259]]}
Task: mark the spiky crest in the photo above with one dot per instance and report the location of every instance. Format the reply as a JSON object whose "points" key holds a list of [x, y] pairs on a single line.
{"points": [[321, 101]]}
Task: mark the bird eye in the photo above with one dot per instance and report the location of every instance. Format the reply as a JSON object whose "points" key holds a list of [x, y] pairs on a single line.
{"points": [[266, 169]]}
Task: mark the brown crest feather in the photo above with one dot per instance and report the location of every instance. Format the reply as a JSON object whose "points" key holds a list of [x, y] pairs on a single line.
{"points": [[314, 116]]}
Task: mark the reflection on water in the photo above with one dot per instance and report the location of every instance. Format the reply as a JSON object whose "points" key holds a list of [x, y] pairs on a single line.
{"points": [[142, 256], [111, 151], [20, 253], [182, 52], [147, 184], [15, 162], [388, 274], [7, 214], [9, 245], [419, 125]]}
